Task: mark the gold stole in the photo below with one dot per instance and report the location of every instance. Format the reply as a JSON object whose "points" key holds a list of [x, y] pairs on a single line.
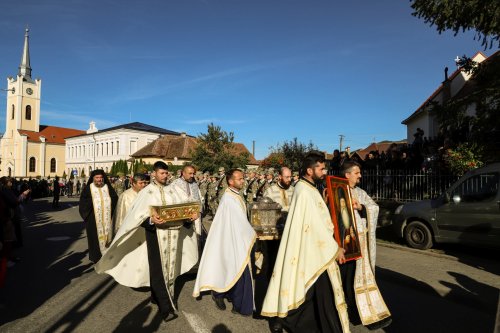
{"points": [[101, 203]]}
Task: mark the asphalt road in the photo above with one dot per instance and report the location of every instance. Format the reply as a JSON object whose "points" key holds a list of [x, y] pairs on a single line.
{"points": [[55, 289]]}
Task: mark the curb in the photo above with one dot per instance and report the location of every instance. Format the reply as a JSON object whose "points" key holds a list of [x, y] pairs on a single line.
{"points": [[424, 252]]}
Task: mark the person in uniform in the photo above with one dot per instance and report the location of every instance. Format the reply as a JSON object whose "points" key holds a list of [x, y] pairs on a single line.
{"points": [[266, 182], [252, 186]]}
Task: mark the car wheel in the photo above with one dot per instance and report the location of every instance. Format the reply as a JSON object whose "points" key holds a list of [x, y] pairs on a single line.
{"points": [[418, 235]]}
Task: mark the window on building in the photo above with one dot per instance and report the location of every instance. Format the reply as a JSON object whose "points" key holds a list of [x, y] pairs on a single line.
{"points": [[28, 112], [102, 149], [52, 165], [117, 147], [112, 149], [32, 164], [107, 149], [13, 110]]}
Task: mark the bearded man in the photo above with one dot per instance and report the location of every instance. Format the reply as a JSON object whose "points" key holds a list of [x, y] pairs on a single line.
{"points": [[305, 291], [148, 253], [97, 205]]}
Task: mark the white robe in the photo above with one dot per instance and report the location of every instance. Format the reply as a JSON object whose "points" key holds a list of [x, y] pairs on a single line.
{"points": [[127, 258], [124, 203], [177, 189], [228, 246], [307, 249], [369, 300]]}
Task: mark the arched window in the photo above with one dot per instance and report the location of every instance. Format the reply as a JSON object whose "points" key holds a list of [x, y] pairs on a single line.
{"points": [[52, 165], [107, 149], [90, 169], [28, 112], [32, 164], [13, 110], [9, 171]]}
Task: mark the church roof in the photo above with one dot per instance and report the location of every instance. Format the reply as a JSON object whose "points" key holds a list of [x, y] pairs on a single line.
{"points": [[138, 127], [169, 147], [52, 134]]}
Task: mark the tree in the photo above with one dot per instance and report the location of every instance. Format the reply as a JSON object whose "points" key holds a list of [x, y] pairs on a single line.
{"points": [[139, 166], [289, 153], [483, 16], [216, 149], [119, 166]]}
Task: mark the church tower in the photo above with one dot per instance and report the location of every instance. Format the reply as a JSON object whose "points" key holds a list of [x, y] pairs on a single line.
{"points": [[23, 97]]}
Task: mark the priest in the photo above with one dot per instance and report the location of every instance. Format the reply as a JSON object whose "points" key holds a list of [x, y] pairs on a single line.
{"points": [[185, 189], [364, 300], [305, 289], [145, 252], [225, 266], [97, 205], [139, 181]]}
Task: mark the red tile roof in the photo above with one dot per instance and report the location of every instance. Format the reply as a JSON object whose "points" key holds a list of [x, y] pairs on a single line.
{"points": [[52, 134]]}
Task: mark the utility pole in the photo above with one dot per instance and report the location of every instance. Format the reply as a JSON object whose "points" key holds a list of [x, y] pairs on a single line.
{"points": [[342, 136]]}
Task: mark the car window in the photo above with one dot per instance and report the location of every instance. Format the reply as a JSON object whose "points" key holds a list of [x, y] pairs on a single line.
{"points": [[478, 188]]}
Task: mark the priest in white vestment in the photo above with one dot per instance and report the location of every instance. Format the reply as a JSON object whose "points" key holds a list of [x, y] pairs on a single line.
{"points": [[305, 290], [186, 189], [146, 253], [364, 300], [96, 206], [125, 200], [225, 266]]}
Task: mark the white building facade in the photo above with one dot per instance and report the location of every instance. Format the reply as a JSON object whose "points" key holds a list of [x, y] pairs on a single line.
{"points": [[100, 149]]}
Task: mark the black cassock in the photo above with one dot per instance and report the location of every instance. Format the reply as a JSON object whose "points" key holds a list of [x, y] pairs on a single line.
{"points": [[87, 213]]}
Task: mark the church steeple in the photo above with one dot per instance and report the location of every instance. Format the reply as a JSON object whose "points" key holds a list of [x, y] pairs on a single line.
{"points": [[25, 67]]}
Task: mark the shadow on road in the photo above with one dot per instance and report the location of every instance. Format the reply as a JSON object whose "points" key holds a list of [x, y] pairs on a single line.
{"points": [[46, 266], [417, 307], [134, 321]]}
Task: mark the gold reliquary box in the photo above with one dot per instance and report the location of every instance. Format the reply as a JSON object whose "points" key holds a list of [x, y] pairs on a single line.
{"points": [[174, 215]]}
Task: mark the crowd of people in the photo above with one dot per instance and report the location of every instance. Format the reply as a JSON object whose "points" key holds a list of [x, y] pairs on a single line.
{"points": [[301, 281], [423, 154]]}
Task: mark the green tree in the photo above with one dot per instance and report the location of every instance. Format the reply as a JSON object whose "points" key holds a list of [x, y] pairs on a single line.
{"points": [[290, 153], [216, 149], [483, 16]]}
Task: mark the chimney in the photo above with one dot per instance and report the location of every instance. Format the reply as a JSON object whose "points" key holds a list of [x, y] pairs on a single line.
{"points": [[92, 128], [446, 87]]}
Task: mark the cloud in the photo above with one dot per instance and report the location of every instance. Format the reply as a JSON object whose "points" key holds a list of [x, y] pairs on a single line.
{"points": [[82, 121], [151, 87]]}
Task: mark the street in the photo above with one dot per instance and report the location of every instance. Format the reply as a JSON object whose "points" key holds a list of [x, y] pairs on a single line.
{"points": [[55, 289]]}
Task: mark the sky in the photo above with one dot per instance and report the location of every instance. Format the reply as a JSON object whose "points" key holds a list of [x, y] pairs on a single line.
{"points": [[266, 70]]}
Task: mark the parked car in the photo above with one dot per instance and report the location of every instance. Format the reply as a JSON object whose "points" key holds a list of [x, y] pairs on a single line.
{"points": [[468, 212]]}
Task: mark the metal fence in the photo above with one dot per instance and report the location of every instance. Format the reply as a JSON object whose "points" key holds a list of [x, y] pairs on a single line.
{"points": [[404, 185]]}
